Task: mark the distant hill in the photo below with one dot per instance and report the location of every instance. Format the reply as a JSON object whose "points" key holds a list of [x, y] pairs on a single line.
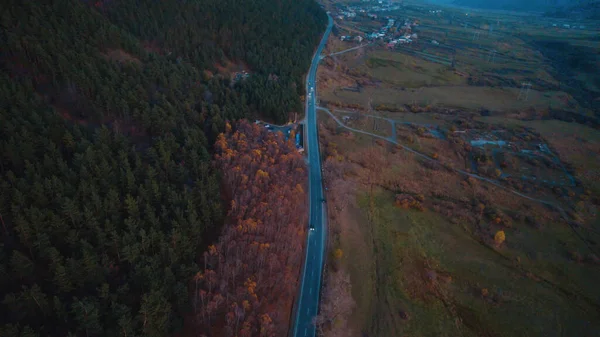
{"points": [[518, 5], [587, 9]]}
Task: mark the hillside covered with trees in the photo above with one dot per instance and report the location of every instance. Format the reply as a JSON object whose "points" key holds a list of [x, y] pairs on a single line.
{"points": [[275, 39], [251, 274], [108, 192]]}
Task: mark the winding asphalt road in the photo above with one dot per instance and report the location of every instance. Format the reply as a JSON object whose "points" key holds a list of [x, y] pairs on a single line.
{"points": [[308, 301]]}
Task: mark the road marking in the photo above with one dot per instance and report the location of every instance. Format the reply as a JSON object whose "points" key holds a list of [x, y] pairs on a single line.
{"points": [[312, 273], [310, 291], [305, 331], [307, 311]]}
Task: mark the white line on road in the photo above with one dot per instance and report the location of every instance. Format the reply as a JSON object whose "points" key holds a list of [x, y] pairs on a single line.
{"points": [[310, 291]]}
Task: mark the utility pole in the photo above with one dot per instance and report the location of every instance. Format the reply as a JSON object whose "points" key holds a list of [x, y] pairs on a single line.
{"points": [[524, 92]]}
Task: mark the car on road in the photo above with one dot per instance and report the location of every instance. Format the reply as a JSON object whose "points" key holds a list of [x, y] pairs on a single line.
{"points": [[267, 126], [311, 227]]}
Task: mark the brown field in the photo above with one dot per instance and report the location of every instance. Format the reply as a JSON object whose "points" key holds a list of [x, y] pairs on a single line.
{"points": [[460, 97], [360, 121], [429, 249], [434, 269]]}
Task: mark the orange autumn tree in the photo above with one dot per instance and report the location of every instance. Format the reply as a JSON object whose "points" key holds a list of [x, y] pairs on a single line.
{"points": [[250, 276]]}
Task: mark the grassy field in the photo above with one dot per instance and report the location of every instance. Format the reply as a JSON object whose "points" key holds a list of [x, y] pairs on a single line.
{"points": [[408, 71], [436, 272], [421, 273], [462, 97], [359, 121], [407, 80]]}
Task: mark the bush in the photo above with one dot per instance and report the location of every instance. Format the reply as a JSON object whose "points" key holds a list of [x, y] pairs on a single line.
{"points": [[338, 253], [408, 202], [499, 237]]}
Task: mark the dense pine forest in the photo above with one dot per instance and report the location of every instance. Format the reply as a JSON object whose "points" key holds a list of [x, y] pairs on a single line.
{"points": [[109, 194]]}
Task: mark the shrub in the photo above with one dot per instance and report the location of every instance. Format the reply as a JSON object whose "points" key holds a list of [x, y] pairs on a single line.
{"points": [[407, 201], [499, 237]]}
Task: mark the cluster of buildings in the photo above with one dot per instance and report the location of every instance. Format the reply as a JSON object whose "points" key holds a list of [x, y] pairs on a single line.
{"points": [[350, 12], [356, 38], [568, 26], [346, 14], [383, 31], [408, 26], [382, 6], [393, 32], [407, 38]]}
